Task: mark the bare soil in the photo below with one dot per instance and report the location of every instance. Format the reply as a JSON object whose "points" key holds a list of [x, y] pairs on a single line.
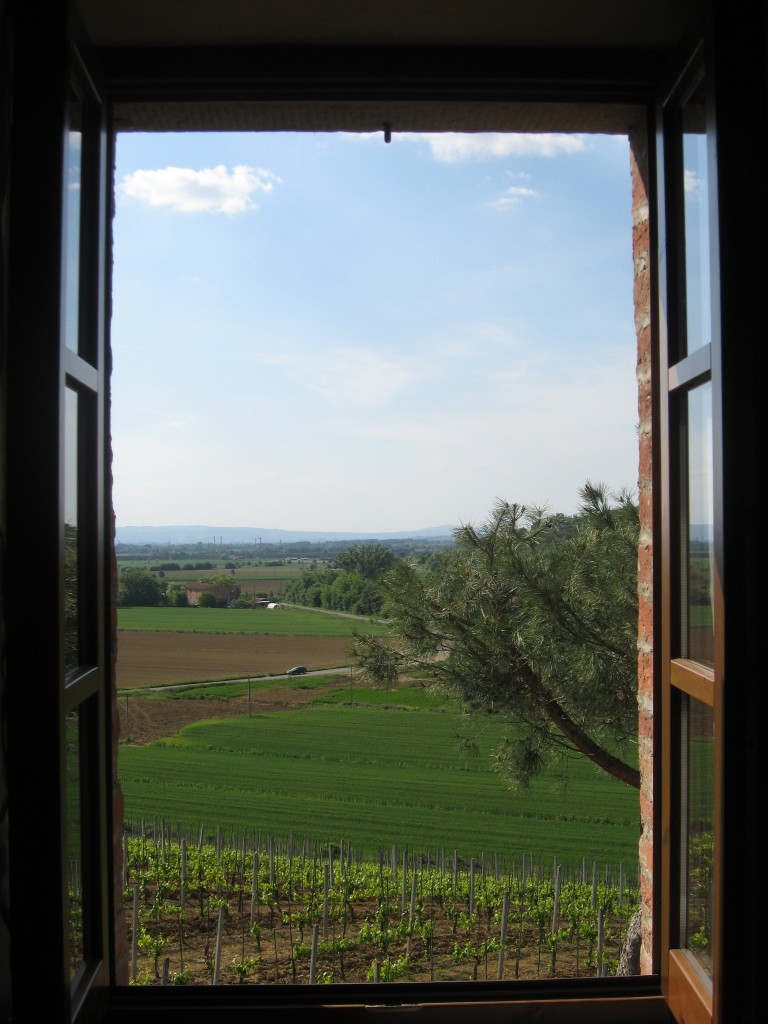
{"points": [[154, 659], [143, 719]]}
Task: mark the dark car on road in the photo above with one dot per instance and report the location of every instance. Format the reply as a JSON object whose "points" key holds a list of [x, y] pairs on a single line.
{"points": [[297, 670]]}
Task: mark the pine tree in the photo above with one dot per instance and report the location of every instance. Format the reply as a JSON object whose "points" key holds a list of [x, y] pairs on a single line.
{"points": [[532, 616]]}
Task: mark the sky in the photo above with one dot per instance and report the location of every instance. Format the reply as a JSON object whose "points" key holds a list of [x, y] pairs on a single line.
{"points": [[325, 331]]}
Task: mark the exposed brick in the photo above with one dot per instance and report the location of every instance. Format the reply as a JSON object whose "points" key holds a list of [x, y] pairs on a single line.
{"points": [[642, 302]]}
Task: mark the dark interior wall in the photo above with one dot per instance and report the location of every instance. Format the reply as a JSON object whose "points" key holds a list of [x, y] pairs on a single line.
{"points": [[742, 110], [5, 123]]}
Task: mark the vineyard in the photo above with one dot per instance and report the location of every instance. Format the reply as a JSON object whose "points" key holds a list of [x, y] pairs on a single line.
{"points": [[251, 910]]}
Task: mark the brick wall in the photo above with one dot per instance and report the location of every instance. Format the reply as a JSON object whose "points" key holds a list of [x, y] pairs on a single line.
{"points": [[641, 255]]}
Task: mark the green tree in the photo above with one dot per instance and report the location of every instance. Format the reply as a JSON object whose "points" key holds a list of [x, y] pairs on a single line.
{"points": [[350, 592], [336, 590], [533, 616], [309, 587], [223, 579], [366, 560], [176, 595], [139, 587]]}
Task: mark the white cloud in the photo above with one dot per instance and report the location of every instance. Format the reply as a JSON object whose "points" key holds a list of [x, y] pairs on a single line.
{"points": [[512, 197], [692, 183], [543, 435], [350, 375], [210, 190], [452, 147], [362, 376]]}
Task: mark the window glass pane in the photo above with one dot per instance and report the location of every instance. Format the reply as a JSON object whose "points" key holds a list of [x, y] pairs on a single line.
{"points": [[74, 853], [698, 797], [700, 569], [71, 617], [71, 264], [696, 221]]}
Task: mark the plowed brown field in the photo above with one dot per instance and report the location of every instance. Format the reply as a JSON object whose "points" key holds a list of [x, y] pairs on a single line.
{"points": [[143, 720], [155, 659]]}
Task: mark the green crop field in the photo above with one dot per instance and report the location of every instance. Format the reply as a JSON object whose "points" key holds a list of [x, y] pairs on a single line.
{"points": [[373, 777], [251, 621], [270, 572]]}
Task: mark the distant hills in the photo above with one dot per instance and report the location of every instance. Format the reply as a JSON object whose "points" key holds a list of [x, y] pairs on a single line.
{"points": [[179, 535], [159, 536]]}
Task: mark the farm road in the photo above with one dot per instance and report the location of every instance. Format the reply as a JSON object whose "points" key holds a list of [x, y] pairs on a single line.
{"points": [[342, 670], [336, 614]]}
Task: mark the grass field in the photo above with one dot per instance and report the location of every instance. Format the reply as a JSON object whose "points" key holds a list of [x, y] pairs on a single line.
{"points": [[374, 776], [252, 621]]}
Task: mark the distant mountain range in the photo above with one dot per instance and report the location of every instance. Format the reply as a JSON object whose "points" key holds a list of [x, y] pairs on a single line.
{"points": [[160, 535]]}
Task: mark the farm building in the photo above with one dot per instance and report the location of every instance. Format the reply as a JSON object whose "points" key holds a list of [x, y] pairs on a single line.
{"points": [[220, 591]]}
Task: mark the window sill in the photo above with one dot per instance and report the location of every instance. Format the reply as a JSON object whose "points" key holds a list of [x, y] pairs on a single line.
{"points": [[633, 1000]]}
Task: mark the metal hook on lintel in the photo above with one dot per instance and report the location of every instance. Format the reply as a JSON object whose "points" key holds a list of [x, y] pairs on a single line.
{"points": [[387, 131]]}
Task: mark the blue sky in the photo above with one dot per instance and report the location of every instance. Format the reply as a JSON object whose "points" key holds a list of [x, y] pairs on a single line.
{"points": [[328, 332]]}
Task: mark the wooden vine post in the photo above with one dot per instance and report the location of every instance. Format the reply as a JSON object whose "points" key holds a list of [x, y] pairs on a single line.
{"points": [[503, 937]]}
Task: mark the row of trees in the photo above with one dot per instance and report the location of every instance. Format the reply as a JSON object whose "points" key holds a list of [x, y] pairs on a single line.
{"points": [[350, 585], [144, 587]]}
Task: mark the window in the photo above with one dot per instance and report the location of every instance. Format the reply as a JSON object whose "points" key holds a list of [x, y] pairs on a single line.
{"points": [[699, 929], [84, 649], [691, 594], [288, 392], [347, 995]]}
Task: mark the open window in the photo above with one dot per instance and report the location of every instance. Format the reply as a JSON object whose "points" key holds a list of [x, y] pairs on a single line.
{"points": [[301, 316], [57, 472], [692, 596]]}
